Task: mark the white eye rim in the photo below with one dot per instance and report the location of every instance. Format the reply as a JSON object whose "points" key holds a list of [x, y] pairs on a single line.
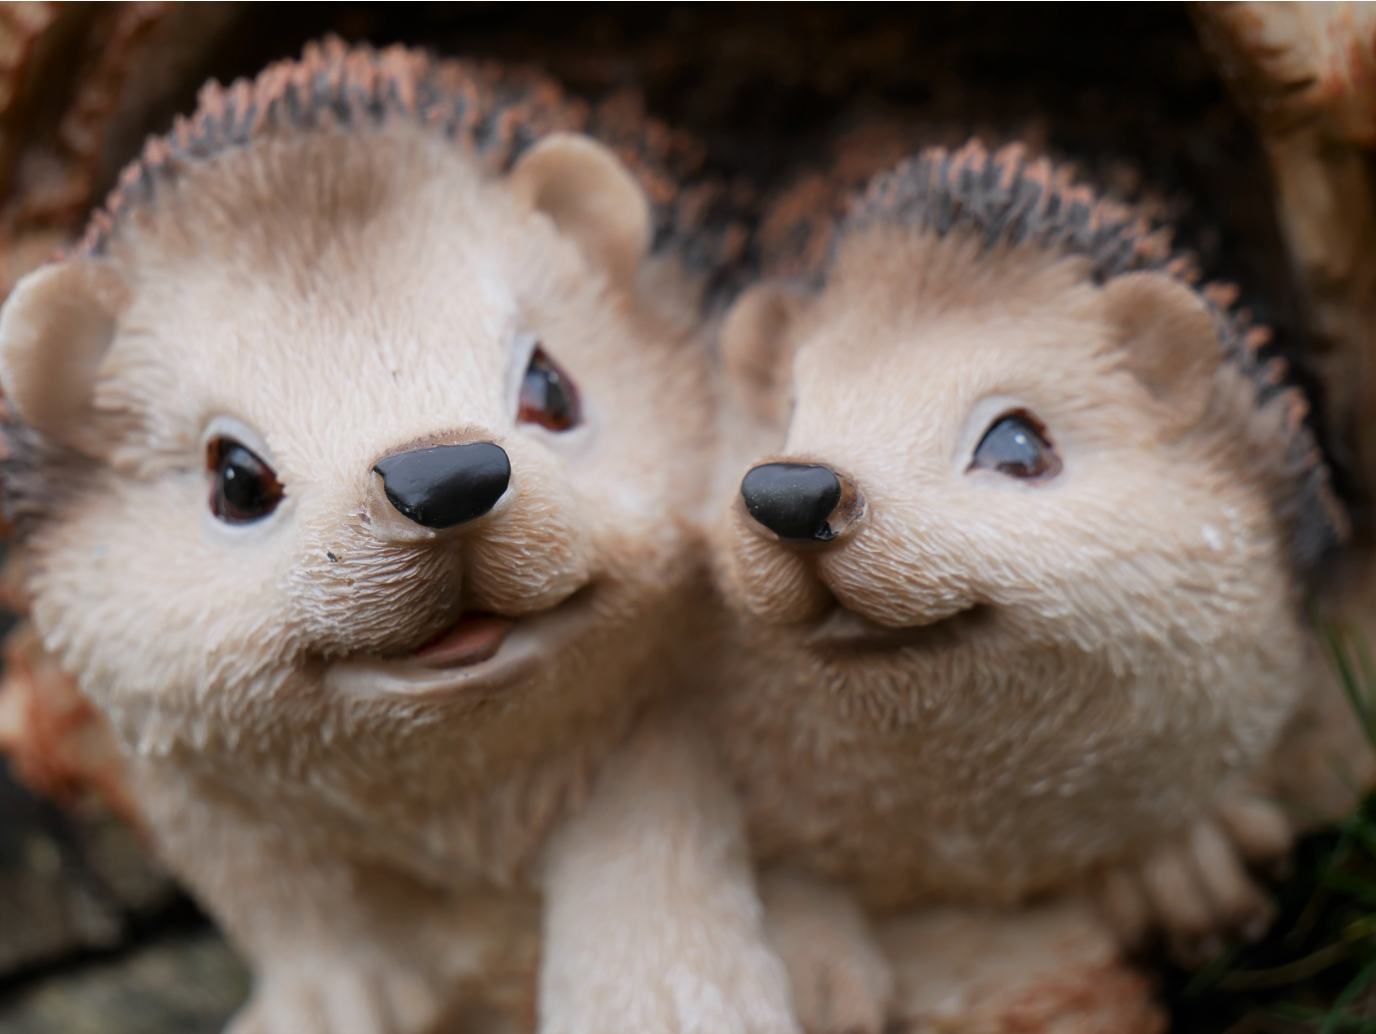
{"points": [[523, 349], [225, 426]]}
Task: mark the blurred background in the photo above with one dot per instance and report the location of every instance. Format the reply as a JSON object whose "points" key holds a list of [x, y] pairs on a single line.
{"points": [[1181, 109]]}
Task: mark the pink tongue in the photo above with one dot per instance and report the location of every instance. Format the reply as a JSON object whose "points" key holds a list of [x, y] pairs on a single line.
{"points": [[468, 641]]}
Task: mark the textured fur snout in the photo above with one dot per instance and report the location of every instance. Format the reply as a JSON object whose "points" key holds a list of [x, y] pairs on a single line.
{"points": [[871, 563], [769, 563], [457, 519]]}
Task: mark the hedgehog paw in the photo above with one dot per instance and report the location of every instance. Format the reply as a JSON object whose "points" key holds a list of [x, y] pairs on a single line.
{"points": [[842, 983], [341, 1001], [1196, 889]]}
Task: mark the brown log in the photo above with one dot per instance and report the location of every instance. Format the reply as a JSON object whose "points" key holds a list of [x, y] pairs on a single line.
{"points": [[1306, 73]]}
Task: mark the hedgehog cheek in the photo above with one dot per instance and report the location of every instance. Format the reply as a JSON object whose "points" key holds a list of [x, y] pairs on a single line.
{"points": [[1169, 342], [55, 329], [591, 197]]}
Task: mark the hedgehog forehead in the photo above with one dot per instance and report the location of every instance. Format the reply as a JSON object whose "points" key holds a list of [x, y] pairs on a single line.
{"points": [[316, 327], [906, 272], [285, 210], [394, 295], [903, 306], [914, 324]]}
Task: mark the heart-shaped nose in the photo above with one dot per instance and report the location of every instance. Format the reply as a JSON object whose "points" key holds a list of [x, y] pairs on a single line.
{"points": [[793, 500], [445, 485]]}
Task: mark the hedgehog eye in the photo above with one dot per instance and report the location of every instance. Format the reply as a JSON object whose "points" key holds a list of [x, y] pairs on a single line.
{"points": [[243, 488], [548, 397], [1016, 445]]}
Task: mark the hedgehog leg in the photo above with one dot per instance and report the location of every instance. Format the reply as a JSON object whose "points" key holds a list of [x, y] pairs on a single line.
{"points": [[652, 923], [337, 945]]}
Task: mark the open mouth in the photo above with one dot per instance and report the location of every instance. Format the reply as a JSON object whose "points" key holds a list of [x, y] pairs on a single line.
{"points": [[479, 654], [843, 631], [470, 640]]}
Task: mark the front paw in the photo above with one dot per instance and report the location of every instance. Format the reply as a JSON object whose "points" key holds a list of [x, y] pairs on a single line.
{"points": [[337, 1000], [714, 986], [1195, 888], [842, 982]]}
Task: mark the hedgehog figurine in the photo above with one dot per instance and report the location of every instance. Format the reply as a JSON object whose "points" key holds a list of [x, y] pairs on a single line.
{"points": [[1015, 593], [351, 452]]}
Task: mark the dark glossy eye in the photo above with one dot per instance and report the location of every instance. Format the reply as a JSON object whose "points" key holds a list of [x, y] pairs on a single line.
{"points": [[243, 488], [1016, 445], [548, 397]]}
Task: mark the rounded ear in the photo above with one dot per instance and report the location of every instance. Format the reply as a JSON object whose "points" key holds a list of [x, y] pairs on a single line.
{"points": [[54, 330], [1169, 340], [757, 349], [591, 196]]}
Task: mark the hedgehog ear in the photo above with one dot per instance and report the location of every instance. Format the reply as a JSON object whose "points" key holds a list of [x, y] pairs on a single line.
{"points": [[1169, 340], [55, 328], [757, 348], [591, 196]]}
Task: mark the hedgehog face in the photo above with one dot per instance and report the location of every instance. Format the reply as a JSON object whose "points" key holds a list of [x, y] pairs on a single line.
{"points": [[1018, 566], [995, 470], [348, 415], [1020, 441], [1010, 568]]}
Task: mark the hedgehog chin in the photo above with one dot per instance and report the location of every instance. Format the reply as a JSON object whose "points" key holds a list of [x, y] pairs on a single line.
{"points": [[528, 647]]}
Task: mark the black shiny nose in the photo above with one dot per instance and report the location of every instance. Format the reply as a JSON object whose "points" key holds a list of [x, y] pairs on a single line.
{"points": [[446, 485], [793, 500]]}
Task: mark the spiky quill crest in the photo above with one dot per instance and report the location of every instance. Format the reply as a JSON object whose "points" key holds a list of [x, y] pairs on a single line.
{"points": [[1008, 199], [492, 110]]}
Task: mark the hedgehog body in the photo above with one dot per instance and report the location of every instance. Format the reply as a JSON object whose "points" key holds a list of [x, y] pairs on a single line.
{"points": [[356, 704], [1018, 582]]}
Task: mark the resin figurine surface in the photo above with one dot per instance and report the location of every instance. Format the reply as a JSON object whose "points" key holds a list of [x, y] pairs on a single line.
{"points": [[1017, 590], [351, 452]]}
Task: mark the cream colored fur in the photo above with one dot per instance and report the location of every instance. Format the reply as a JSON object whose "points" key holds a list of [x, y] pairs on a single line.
{"points": [[653, 924], [986, 689], [374, 844]]}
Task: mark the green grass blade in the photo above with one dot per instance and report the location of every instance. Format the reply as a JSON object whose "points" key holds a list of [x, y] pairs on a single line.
{"points": [[1350, 885], [1342, 644], [1338, 1014]]}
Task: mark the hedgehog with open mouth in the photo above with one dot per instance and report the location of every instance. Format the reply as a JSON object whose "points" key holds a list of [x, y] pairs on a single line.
{"points": [[351, 453]]}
